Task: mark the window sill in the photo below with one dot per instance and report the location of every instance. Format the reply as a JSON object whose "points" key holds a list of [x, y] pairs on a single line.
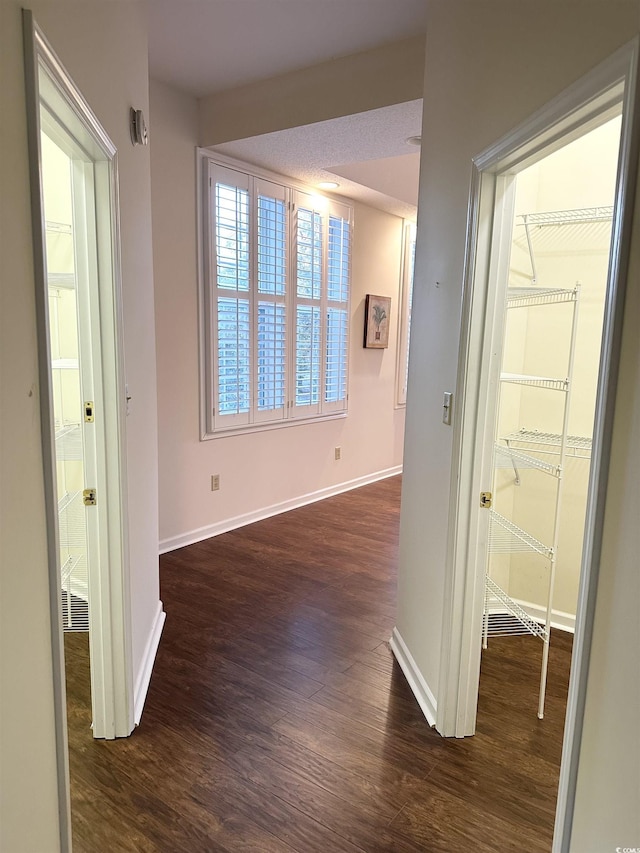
{"points": [[264, 427]]}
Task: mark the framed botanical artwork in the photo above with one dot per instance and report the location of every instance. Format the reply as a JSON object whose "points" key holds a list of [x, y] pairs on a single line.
{"points": [[377, 311]]}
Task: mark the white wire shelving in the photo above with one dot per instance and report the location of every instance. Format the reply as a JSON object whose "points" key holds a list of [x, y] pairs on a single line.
{"points": [[503, 617], [73, 571], [580, 216], [74, 593], [65, 364], [66, 280], [568, 217], [505, 537], [68, 443], [547, 382], [579, 443], [506, 456], [527, 297], [72, 521]]}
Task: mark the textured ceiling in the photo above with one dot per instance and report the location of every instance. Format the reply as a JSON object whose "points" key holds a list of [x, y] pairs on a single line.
{"points": [[206, 46], [366, 153]]}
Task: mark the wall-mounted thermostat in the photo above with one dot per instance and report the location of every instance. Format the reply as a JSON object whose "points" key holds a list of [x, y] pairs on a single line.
{"points": [[138, 127]]}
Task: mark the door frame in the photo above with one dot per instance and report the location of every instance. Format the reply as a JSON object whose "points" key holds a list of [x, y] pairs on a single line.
{"points": [[111, 652], [587, 102]]}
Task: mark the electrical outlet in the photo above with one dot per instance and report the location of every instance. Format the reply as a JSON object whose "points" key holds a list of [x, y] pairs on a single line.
{"points": [[215, 482], [338, 453]]}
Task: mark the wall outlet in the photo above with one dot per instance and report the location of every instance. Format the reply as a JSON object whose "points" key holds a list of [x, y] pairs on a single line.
{"points": [[215, 482], [338, 453]]}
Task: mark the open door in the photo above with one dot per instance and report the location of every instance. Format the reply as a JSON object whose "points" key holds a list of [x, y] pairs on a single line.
{"points": [[489, 451], [75, 223]]}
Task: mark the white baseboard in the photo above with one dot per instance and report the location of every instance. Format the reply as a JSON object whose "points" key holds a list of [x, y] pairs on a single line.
{"points": [[233, 523], [418, 685], [144, 675], [559, 619]]}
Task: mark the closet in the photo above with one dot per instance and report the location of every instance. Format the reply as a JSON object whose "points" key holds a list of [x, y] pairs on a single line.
{"points": [[66, 385], [553, 314]]}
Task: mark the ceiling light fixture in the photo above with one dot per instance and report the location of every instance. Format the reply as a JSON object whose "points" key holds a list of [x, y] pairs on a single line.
{"points": [[414, 140], [328, 185]]}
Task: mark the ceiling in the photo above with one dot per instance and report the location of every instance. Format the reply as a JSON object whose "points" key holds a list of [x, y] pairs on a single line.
{"points": [[366, 153], [207, 46]]}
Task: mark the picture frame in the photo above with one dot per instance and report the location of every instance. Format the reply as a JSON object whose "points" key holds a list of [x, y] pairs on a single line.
{"points": [[377, 313]]}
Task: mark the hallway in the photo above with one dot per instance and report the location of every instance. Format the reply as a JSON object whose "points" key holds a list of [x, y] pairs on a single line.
{"points": [[277, 719]]}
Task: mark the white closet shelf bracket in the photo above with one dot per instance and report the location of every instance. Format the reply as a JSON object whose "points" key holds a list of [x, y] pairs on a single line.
{"points": [[505, 537], [509, 457], [560, 217]]}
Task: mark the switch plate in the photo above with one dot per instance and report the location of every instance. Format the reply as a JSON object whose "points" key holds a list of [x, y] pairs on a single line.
{"points": [[446, 407], [337, 453], [215, 482]]}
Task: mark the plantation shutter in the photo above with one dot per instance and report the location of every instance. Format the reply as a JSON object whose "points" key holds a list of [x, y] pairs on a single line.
{"points": [[270, 318], [337, 309], [276, 302], [230, 199], [308, 304]]}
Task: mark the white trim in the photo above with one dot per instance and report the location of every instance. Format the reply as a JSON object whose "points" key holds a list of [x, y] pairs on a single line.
{"points": [[559, 618], [200, 533], [146, 667], [246, 429], [418, 685]]}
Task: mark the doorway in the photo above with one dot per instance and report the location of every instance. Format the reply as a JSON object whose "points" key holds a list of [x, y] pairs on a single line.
{"points": [[82, 391], [609, 91], [545, 375]]}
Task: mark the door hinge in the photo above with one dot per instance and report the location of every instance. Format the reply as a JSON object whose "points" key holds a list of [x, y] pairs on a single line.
{"points": [[89, 497], [486, 499], [89, 412]]}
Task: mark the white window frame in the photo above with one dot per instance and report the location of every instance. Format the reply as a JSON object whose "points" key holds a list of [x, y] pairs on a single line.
{"points": [[404, 315], [295, 195]]}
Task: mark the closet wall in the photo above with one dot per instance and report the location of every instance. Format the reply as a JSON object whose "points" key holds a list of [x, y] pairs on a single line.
{"points": [[579, 176]]}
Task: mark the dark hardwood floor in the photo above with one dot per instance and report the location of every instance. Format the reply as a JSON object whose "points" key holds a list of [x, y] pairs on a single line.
{"points": [[278, 721]]}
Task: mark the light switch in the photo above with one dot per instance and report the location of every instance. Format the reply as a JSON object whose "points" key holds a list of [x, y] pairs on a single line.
{"points": [[446, 407]]}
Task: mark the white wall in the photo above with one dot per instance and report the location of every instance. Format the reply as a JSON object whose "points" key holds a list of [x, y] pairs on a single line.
{"points": [[103, 46], [382, 76], [259, 472], [488, 66]]}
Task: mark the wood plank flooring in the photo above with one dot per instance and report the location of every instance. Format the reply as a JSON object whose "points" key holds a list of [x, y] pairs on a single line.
{"points": [[278, 721]]}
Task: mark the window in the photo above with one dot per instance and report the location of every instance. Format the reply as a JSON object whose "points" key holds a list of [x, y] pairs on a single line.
{"points": [[406, 298], [276, 300]]}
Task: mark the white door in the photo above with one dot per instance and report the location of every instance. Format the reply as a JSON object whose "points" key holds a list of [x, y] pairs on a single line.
{"points": [[83, 406]]}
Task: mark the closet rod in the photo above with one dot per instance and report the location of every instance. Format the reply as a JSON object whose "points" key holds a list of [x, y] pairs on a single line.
{"points": [[567, 217]]}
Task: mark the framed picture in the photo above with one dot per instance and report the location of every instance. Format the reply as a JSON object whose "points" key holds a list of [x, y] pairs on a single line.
{"points": [[377, 311]]}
